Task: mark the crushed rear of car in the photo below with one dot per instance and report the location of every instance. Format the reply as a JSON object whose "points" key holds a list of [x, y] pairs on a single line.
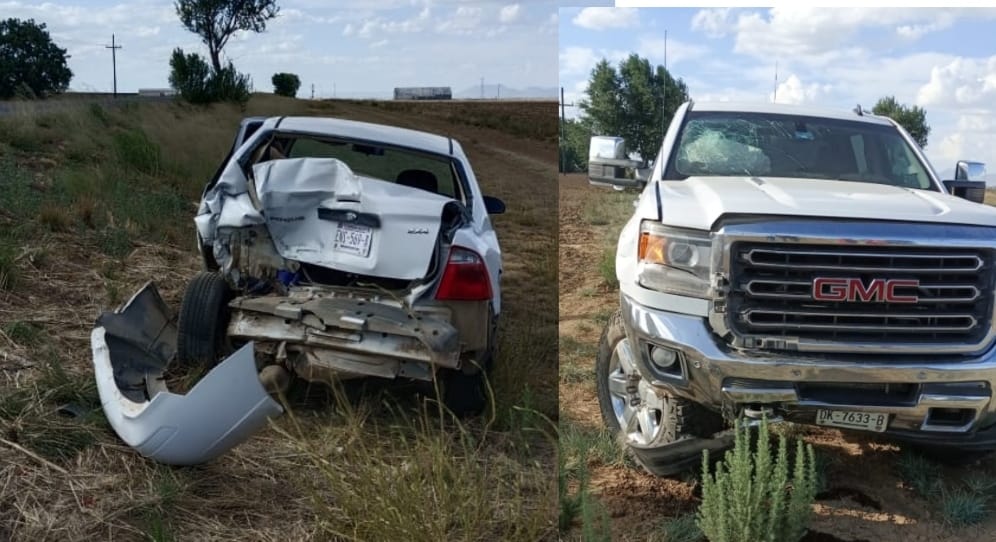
{"points": [[332, 250]]}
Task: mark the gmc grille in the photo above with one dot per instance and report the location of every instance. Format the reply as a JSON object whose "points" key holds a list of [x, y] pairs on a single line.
{"points": [[772, 294]]}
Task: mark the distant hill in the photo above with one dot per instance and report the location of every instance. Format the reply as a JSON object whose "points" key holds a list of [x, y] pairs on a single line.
{"points": [[492, 91]]}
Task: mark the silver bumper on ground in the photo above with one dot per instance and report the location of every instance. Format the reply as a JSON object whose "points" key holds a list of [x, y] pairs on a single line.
{"points": [[940, 400]]}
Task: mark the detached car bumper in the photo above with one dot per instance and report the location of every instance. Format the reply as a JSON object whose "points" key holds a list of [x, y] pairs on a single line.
{"points": [[132, 347], [941, 401]]}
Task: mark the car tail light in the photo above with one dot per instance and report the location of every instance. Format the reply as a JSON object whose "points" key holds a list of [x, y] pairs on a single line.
{"points": [[465, 277]]}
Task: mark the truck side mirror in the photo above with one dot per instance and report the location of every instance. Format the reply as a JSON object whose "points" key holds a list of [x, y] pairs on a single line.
{"points": [[608, 164], [974, 191], [966, 170], [967, 183]]}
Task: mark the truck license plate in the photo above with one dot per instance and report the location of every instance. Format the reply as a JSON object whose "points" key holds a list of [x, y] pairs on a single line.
{"points": [[353, 239], [868, 421]]}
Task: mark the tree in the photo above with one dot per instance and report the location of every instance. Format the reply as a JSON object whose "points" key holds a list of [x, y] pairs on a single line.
{"points": [[286, 84], [913, 119], [629, 102], [30, 62], [194, 80], [574, 146], [215, 21]]}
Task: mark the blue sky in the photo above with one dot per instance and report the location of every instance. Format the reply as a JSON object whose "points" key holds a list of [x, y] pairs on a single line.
{"points": [[361, 48], [943, 60]]}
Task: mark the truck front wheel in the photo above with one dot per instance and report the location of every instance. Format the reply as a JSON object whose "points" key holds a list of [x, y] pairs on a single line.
{"points": [[630, 406]]}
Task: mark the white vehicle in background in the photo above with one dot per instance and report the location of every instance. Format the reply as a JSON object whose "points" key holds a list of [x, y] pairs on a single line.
{"points": [[332, 250], [610, 165], [804, 265]]}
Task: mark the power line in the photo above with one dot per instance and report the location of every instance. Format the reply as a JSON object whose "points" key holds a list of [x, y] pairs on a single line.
{"points": [[114, 62]]}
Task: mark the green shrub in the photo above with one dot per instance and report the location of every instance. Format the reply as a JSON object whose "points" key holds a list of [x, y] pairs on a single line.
{"points": [[196, 83], [581, 504], [607, 267], [751, 495], [137, 151], [961, 508], [8, 264], [286, 84], [115, 242], [681, 529]]}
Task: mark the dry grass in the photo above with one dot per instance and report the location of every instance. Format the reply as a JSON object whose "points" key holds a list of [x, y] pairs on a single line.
{"points": [[127, 205]]}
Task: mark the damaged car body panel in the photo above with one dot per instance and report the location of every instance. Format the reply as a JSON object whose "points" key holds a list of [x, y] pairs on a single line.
{"points": [[131, 349], [334, 250]]}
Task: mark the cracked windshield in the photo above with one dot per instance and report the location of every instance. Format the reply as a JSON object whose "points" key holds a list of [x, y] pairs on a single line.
{"points": [[733, 144]]}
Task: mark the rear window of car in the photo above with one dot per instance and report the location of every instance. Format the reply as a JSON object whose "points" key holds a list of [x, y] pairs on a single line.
{"points": [[384, 163], [778, 145]]}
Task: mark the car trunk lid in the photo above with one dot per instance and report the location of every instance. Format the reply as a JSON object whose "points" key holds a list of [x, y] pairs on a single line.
{"points": [[319, 212]]}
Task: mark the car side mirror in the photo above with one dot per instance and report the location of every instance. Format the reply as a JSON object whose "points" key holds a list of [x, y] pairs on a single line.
{"points": [[974, 191], [494, 206], [969, 171]]}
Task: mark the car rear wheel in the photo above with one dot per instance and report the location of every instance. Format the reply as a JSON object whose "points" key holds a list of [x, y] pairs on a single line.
{"points": [[465, 392], [203, 323]]}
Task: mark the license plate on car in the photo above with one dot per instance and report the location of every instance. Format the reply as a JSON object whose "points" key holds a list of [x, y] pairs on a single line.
{"points": [[868, 421], [353, 239]]}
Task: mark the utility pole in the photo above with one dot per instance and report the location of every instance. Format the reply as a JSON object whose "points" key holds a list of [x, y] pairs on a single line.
{"points": [[114, 62], [563, 106]]}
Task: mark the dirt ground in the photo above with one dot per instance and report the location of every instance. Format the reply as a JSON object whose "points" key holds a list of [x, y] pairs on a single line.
{"points": [[866, 498], [60, 480]]}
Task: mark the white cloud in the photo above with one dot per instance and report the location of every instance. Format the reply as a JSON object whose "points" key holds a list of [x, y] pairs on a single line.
{"points": [[377, 27], [715, 22], [509, 13], [465, 20], [803, 32], [963, 82], [599, 18], [579, 61], [793, 91]]}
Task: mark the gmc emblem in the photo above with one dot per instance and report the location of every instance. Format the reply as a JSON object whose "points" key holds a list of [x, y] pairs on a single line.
{"points": [[853, 289]]}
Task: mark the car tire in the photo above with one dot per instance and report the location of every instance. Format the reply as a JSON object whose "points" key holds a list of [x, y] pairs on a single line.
{"points": [[465, 392], [678, 417], [203, 322]]}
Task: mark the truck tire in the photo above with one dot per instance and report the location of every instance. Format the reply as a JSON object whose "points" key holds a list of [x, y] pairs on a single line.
{"points": [[203, 322], [677, 417]]}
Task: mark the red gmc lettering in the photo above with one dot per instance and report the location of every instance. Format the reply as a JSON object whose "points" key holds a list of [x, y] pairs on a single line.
{"points": [[853, 289]]}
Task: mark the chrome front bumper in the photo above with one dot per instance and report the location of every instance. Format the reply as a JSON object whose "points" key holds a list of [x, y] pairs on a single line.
{"points": [[949, 401]]}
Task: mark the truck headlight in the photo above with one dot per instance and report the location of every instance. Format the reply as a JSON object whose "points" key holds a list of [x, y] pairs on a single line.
{"points": [[674, 261]]}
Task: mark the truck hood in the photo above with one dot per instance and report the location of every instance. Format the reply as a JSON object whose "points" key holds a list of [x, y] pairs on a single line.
{"points": [[699, 202]]}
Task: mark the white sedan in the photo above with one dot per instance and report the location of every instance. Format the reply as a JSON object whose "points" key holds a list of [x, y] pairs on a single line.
{"points": [[332, 249]]}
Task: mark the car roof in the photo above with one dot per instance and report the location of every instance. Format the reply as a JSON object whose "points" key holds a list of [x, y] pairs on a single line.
{"points": [[365, 131], [786, 109]]}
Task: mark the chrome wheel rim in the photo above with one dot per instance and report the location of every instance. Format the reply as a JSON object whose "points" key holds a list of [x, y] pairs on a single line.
{"points": [[637, 407]]}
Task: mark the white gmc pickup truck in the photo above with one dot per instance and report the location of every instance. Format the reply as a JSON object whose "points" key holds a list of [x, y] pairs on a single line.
{"points": [[803, 265]]}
